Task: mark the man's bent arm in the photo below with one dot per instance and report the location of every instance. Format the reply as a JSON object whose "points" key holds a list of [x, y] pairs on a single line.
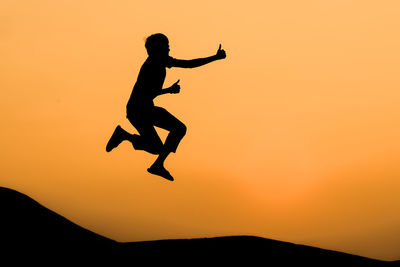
{"points": [[162, 92]]}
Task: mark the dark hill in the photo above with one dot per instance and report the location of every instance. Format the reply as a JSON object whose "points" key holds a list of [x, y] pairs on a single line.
{"points": [[31, 232], [28, 227]]}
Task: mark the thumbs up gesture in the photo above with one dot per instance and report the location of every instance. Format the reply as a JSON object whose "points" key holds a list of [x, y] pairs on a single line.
{"points": [[220, 53], [175, 88]]}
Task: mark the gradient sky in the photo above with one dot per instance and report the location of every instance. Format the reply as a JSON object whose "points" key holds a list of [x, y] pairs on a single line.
{"points": [[295, 136]]}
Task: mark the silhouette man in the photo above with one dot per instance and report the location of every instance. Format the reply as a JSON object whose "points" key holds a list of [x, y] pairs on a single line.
{"points": [[144, 115]]}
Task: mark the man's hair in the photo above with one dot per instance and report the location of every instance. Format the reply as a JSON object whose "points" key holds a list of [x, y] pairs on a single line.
{"points": [[155, 42]]}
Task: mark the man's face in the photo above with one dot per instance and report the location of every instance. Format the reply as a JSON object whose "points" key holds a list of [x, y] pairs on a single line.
{"points": [[166, 49], [162, 50]]}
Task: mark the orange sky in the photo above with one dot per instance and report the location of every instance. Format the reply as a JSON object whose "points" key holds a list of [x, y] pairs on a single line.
{"points": [[295, 136]]}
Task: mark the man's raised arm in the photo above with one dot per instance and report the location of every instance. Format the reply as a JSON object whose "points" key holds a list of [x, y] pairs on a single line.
{"points": [[194, 63]]}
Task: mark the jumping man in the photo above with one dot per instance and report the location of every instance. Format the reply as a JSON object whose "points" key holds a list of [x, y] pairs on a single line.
{"points": [[142, 112]]}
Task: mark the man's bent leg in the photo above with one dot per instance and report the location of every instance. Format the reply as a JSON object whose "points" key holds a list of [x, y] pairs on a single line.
{"points": [[165, 120], [152, 146], [148, 140], [177, 130]]}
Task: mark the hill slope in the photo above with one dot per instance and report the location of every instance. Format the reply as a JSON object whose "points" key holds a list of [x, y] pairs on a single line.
{"points": [[26, 226]]}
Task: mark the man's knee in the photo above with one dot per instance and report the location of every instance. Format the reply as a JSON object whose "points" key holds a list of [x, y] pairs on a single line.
{"points": [[181, 129]]}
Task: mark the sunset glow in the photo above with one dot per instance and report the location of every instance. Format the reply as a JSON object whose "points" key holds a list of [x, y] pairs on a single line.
{"points": [[293, 137]]}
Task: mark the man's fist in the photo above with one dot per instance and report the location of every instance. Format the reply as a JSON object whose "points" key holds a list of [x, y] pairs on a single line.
{"points": [[221, 53], [175, 88]]}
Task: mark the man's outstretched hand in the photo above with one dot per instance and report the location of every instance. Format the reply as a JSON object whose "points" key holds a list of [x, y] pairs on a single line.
{"points": [[175, 88], [220, 53]]}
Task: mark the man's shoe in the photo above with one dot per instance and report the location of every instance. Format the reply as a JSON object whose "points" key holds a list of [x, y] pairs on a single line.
{"points": [[116, 139], [160, 171]]}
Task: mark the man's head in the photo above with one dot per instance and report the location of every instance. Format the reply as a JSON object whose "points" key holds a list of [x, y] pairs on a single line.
{"points": [[157, 45]]}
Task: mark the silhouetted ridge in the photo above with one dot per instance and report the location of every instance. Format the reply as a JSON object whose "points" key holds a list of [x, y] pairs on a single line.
{"points": [[26, 227], [245, 250]]}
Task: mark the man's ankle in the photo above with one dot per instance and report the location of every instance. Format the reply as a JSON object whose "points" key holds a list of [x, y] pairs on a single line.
{"points": [[157, 165]]}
